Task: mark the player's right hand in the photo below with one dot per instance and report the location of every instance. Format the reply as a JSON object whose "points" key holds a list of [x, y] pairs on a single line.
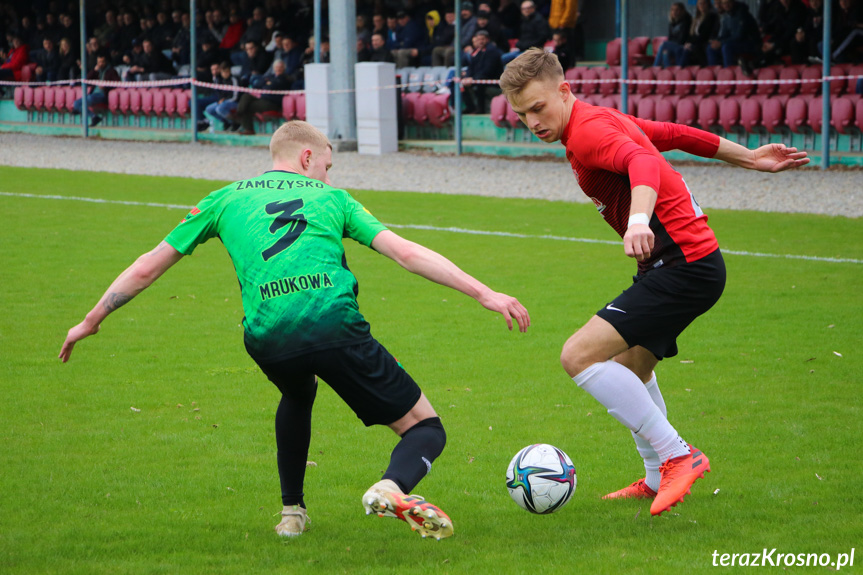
{"points": [[638, 242], [507, 306], [75, 335]]}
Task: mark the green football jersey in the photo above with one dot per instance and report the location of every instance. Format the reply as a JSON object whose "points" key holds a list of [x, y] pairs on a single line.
{"points": [[284, 234]]}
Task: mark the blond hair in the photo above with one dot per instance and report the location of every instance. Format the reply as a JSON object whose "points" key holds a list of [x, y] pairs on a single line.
{"points": [[294, 136], [533, 64]]}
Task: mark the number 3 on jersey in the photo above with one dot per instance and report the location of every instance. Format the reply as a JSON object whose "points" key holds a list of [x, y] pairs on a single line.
{"points": [[296, 223]]}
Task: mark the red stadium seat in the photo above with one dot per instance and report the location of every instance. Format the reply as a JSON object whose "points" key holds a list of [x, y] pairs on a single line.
{"points": [[114, 100], [589, 84], [170, 101], [512, 118], [407, 108], [421, 114], [637, 50], [773, 114], [289, 107], [158, 101], [39, 98], [610, 84], [147, 101], [60, 99], [838, 87], [726, 78], [664, 76], [859, 114], [743, 86], [183, 98], [810, 80], [574, 77], [729, 114], [646, 108], [789, 81], [300, 102], [645, 75], [413, 99], [498, 110], [708, 113], [796, 112], [50, 95], [437, 106], [687, 111], [842, 115], [769, 76], [610, 101], [664, 110], [750, 114], [612, 52], [123, 98], [704, 75], [72, 94], [814, 114], [28, 72], [28, 98]]}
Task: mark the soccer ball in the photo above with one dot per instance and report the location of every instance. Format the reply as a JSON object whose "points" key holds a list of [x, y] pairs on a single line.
{"points": [[541, 478]]}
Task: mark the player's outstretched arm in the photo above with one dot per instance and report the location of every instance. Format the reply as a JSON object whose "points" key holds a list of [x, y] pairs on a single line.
{"points": [[135, 279], [433, 266], [768, 158]]}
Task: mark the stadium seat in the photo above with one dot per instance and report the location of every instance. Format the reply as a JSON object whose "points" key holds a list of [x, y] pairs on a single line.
{"points": [[664, 76], [859, 114], [421, 114], [114, 100], [498, 110], [729, 114], [687, 111], [773, 115], [612, 52], [28, 72], [637, 50], [632, 74], [18, 97], [814, 113], [417, 77], [704, 75], [123, 98], [610, 101], [39, 99], [646, 108], [512, 118], [589, 84], [796, 112], [157, 99], [610, 82], [769, 76], [300, 102], [50, 95], [147, 101], [683, 89], [708, 113], [655, 44], [743, 87], [403, 74], [183, 100], [725, 77], [412, 98], [750, 114], [574, 77], [790, 81], [810, 80], [28, 98], [60, 99], [289, 107], [842, 114], [407, 108], [437, 108], [170, 101], [72, 94], [838, 87], [664, 109]]}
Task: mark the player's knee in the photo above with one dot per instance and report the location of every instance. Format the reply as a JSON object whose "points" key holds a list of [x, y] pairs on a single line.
{"points": [[572, 357]]}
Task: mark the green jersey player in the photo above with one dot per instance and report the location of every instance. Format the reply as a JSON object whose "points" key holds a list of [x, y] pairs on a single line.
{"points": [[283, 231]]}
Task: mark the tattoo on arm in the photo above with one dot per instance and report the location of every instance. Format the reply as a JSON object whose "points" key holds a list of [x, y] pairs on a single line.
{"points": [[116, 300]]}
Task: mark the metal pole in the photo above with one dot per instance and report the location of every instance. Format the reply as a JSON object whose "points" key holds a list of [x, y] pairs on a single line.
{"points": [[457, 77], [624, 56], [825, 87], [193, 64], [343, 57], [317, 31], [84, 110]]}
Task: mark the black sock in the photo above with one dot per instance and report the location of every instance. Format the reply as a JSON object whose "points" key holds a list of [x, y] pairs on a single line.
{"points": [[293, 435], [412, 457]]}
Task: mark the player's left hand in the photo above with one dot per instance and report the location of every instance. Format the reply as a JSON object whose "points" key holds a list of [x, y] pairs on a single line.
{"points": [[638, 241], [75, 335], [777, 158], [507, 306]]}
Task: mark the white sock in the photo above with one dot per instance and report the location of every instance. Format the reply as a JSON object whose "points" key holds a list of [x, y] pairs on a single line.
{"points": [[626, 399], [648, 454]]}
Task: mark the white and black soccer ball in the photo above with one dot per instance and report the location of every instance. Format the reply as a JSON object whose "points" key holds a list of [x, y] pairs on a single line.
{"points": [[541, 478]]}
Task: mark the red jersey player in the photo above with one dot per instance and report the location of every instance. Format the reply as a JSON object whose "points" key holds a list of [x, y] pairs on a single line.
{"points": [[617, 162]]}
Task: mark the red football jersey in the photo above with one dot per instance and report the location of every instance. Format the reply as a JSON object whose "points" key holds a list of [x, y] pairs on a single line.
{"points": [[592, 139]]}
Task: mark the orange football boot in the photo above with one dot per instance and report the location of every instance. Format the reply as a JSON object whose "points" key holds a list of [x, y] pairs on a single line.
{"points": [[678, 475], [385, 499], [638, 490]]}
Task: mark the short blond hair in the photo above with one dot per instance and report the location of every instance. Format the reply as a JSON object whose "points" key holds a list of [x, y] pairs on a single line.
{"points": [[292, 137], [533, 64]]}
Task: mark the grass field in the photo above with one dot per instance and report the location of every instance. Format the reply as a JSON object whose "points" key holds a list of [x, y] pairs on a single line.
{"points": [[152, 450]]}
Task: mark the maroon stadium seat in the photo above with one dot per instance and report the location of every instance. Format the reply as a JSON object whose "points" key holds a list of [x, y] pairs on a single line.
{"points": [[704, 75], [592, 99], [632, 74], [588, 83], [437, 106], [610, 101], [725, 75], [810, 73], [407, 108], [796, 112], [645, 75], [750, 114], [687, 111], [664, 76], [646, 108], [18, 96], [664, 109], [773, 114], [289, 107], [708, 113], [28, 72], [498, 110], [729, 114], [612, 52], [790, 78], [28, 98], [842, 114], [638, 51], [769, 76], [838, 87], [574, 77], [859, 114], [814, 114], [743, 87], [610, 84]]}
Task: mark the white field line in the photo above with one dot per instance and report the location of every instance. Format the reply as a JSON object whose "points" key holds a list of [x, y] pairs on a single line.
{"points": [[450, 229]]}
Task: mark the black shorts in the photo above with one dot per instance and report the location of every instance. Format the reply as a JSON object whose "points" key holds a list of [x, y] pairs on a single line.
{"points": [[662, 302], [365, 375]]}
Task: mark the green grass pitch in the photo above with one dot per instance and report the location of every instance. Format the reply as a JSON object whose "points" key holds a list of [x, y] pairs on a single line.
{"points": [[767, 384]]}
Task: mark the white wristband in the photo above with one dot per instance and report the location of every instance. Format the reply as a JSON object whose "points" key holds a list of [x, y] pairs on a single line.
{"points": [[638, 219]]}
